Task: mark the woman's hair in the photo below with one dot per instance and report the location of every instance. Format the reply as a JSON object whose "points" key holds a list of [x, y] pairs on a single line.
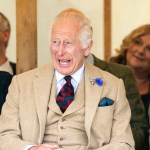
{"points": [[127, 42], [75, 16]]}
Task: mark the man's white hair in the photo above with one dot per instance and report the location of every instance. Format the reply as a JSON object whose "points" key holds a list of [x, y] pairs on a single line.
{"points": [[78, 18]]}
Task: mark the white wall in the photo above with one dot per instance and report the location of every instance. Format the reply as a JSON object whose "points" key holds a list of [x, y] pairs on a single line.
{"points": [[8, 8], [126, 16], [47, 10]]}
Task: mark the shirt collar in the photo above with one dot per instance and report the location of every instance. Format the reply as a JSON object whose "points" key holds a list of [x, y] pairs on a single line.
{"points": [[6, 67], [76, 76]]}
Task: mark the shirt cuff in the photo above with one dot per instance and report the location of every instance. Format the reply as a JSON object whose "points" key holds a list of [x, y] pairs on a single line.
{"points": [[28, 147]]}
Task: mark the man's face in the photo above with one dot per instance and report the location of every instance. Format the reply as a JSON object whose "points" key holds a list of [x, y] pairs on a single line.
{"points": [[4, 36], [1, 36], [66, 51]]}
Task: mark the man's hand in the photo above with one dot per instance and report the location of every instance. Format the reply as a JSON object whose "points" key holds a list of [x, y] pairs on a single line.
{"points": [[46, 147]]}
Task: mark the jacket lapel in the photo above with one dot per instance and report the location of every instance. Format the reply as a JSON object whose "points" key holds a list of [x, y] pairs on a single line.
{"points": [[92, 95], [52, 103], [42, 85]]}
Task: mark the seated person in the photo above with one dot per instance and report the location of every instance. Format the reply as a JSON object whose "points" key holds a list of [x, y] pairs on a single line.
{"points": [[134, 51], [149, 123], [5, 31], [68, 104]]}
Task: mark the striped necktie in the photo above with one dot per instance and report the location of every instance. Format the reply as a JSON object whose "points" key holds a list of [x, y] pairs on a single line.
{"points": [[65, 95]]}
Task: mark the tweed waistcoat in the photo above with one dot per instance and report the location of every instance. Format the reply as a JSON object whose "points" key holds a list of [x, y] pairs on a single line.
{"points": [[66, 129]]}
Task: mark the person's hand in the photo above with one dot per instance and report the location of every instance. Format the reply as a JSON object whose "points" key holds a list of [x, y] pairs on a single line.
{"points": [[46, 147]]}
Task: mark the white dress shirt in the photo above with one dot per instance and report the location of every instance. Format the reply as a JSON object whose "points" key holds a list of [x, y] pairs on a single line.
{"points": [[76, 77]]}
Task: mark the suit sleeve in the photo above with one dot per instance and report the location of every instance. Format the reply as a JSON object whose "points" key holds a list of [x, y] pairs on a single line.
{"points": [[10, 131], [121, 134]]}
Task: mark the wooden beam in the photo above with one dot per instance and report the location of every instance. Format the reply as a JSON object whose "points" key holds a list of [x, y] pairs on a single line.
{"points": [[26, 28], [107, 29]]}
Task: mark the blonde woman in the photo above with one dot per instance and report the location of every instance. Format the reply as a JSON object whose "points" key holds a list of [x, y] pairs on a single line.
{"points": [[135, 52]]}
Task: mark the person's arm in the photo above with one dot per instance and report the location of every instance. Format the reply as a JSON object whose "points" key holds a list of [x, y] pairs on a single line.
{"points": [[138, 122], [121, 135], [10, 131]]}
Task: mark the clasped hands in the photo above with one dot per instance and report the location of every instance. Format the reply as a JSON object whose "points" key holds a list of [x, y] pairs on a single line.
{"points": [[46, 147]]}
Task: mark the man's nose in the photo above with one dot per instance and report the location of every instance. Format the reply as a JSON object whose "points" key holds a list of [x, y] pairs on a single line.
{"points": [[61, 49]]}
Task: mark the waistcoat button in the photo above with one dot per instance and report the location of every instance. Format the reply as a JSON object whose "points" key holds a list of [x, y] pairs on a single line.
{"points": [[61, 139], [63, 119]]}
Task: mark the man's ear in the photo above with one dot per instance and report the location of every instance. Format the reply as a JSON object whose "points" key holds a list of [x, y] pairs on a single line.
{"points": [[88, 49], [6, 36]]}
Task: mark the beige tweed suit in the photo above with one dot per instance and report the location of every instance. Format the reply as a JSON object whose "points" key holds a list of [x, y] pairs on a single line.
{"points": [[24, 114]]}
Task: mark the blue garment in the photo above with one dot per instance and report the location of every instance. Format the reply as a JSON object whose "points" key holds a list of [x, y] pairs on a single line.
{"points": [[5, 80]]}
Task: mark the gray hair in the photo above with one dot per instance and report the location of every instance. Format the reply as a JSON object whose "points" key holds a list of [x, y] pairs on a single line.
{"points": [[4, 25], [77, 17]]}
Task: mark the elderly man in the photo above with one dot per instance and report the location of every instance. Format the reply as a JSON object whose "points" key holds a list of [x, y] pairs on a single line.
{"points": [[68, 104], [7, 68], [5, 64]]}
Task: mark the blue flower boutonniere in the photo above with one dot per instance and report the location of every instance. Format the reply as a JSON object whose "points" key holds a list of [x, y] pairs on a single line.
{"points": [[98, 81]]}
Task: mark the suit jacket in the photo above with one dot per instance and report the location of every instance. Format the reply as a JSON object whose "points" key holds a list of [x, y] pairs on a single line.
{"points": [[24, 114], [149, 123], [5, 80], [138, 122], [13, 65]]}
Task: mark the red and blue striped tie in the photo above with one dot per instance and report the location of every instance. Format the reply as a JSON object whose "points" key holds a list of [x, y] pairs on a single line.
{"points": [[66, 94]]}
